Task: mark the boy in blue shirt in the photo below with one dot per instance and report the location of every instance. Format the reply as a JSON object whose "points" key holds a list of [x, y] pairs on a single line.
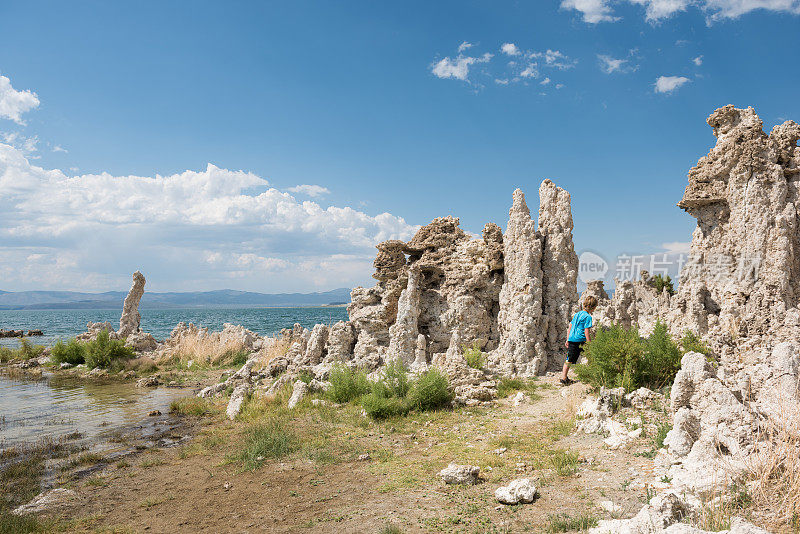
{"points": [[578, 335]]}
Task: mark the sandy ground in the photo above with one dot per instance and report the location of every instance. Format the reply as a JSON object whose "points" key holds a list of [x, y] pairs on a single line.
{"points": [[323, 487]]}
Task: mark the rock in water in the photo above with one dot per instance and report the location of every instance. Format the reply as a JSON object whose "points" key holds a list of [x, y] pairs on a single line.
{"points": [[460, 474], [518, 491], [130, 320]]}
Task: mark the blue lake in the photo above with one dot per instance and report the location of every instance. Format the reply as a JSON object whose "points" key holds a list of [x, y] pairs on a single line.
{"points": [[63, 324]]}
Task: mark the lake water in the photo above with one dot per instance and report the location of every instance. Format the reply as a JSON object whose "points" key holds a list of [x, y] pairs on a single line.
{"points": [[56, 406], [63, 324]]}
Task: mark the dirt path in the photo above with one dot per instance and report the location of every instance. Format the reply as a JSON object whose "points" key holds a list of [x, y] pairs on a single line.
{"points": [[323, 487]]}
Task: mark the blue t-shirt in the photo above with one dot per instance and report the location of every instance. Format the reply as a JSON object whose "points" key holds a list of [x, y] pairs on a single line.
{"points": [[580, 322]]}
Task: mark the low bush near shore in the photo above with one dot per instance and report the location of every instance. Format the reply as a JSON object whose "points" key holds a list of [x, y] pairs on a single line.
{"points": [[394, 394], [25, 351], [272, 439], [102, 352], [347, 384], [619, 357]]}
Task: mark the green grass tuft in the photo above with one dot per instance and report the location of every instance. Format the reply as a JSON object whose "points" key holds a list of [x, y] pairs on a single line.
{"points": [[271, 439], [347, 384]]}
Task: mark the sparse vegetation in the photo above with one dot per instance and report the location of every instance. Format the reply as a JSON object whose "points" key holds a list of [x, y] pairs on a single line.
{"points": [[270, 439], [430, 391], [395, 394], [566, 523], [691, 342], [102, 352], [193, 406], [347, 383], [474, 356], [71, 352], [663, 281], [25, 351], [619, 357]]}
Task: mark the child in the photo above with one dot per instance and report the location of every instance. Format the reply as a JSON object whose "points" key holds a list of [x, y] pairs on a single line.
{"points": [[578, 335]]}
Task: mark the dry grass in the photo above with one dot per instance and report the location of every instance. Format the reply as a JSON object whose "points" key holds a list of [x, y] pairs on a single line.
{"points": [[774, 472]]}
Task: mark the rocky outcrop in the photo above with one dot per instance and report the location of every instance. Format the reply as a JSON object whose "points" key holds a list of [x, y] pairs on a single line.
{"points": [[559, 268], [496, 292], [521, 321], [130, 320]]}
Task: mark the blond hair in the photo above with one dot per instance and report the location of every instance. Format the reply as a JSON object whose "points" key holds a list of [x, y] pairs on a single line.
{"points": [[589, 303]]}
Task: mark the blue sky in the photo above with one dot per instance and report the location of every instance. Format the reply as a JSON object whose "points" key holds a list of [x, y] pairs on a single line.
{"points": [[330, 126]]}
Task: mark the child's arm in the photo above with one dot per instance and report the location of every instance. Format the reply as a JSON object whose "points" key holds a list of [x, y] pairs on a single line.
{"points": [[588, 337], [569, 329]]}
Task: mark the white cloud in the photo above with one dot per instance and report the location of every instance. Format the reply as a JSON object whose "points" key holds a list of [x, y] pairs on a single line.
{"points": [[59, 148], [667, 84], [191, 230], [556, 59], [676, 247], [594, 11], [545, 81], [310, 190], [13, 103], [509, 49], [698, 60], [609, 64], [529, 72], [27, 145], [559, 86], [721, 9], [464, 46], [457, 68], [656, 10], [501, 81]]}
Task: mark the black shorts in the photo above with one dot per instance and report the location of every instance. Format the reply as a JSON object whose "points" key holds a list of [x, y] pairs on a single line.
{"points": [[574, 350]]}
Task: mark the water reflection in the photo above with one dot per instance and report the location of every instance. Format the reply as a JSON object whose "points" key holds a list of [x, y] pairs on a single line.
{"points": [[55, 406]]}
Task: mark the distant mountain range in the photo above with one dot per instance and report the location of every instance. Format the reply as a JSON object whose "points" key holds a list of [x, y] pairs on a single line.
{"points": [[224, 298]]}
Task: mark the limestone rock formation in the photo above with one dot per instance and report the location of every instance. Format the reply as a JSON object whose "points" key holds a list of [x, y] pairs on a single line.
{"points": [[517, 491], [511, 296], [744, 256], [460, 474], [130, 320], [521, 321], [559, 268]]}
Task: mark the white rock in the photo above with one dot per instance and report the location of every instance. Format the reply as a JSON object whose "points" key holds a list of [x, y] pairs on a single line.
{"points": [[518, 491], [47, 500], [460, 474]]}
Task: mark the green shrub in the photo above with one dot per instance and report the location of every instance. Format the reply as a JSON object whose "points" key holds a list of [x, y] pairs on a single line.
{"points": [[662, 282], [25, 351], [430, 390], [237, 358], [380, 407], [272, 439], [619, 357], [71, 352], [103, 352], [393, 381], [28, 351], [563, 522], [475, 357], [347, 384], [305, 376], [613, 356], [691, 342], [661, 361]]}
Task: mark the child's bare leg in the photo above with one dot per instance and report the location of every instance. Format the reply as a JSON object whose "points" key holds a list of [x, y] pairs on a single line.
{"points": [[565, 371]]}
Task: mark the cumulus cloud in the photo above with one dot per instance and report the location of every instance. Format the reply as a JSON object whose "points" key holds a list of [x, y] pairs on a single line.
{"points": [[310, 190], [191, 230], [676, 247], [545, 81], [464, 46], [667, 84], [698, 60], [556, 59], [458, 67], [13, 103], [596, 11], [59, 148], [609, 64], [509, 49]]}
